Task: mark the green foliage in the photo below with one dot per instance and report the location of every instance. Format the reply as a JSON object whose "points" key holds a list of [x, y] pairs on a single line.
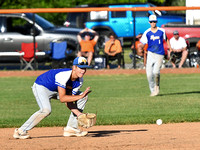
{"points": [[117, 99], [175, 3], [59, 18]]}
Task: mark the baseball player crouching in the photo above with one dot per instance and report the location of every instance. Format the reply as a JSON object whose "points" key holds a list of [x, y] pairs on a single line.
{"points": [[154, 37], [64, 83]]}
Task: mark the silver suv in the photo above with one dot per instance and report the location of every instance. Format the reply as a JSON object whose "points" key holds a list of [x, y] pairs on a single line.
{"points": [[18, 28]]}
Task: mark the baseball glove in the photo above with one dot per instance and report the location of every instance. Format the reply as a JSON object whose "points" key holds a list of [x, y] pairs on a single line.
{"points": [[87, 120]]}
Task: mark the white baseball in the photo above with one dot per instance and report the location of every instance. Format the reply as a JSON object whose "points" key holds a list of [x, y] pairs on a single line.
{"points": [[159, 122]]}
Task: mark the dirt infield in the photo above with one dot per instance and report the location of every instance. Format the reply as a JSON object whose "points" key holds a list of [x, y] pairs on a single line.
{"points": [[179, 136], [104, 71]]}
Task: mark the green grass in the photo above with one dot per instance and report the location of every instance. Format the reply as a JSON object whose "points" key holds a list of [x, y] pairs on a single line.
{"points": [[118, 99], [127, 59], [127, 51]]}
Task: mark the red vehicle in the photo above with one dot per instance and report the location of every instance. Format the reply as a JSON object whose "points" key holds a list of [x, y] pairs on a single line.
{"points": [[191, 33]]}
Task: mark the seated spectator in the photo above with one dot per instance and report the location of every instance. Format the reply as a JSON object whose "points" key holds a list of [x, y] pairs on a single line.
{"points": [[113, 48], [142, 52], [87, 45], [178, 48]]}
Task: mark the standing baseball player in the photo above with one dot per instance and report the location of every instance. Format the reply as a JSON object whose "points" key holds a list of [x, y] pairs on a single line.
{"points": [[65, 84], [154, 37]]}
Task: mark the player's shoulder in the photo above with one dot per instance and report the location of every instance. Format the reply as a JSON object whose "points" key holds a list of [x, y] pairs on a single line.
{"points": [[161, 29], [147, 31], [62, 70], [63, 73]]}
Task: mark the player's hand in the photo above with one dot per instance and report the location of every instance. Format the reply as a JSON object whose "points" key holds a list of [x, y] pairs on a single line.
{"points": [[86, 92]]}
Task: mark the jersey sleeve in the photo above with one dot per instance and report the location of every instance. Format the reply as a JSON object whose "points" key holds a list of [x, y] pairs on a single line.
{"points": [[62, 78], [164, 33], [75, 90], [144, 39]]}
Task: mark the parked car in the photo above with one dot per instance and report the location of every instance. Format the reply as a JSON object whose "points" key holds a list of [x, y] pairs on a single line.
{"points": [[18, 28], [121, 23]]}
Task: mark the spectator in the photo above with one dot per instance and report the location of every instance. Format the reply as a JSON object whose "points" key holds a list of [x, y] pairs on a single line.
{"points": [[142, 52], [87, 45], [178, 48], [154, 37], [198, 45], [113, 48]]}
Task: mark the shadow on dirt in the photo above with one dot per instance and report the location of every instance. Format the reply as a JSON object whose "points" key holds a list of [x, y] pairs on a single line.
{"points": [[112, 132], [99, 133]]}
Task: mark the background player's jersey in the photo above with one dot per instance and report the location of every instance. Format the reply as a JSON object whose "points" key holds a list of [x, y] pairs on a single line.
{"points": [[154, 40], [60, 77]]}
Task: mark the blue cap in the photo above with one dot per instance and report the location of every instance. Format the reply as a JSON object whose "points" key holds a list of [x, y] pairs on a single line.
{"points": [[81, 62]]}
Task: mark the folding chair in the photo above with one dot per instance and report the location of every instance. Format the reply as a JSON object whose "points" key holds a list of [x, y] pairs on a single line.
{"points": [[28, 58], [58, 54]]}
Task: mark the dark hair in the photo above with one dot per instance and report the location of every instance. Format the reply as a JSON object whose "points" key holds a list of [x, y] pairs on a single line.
{"points": [[87, 33], [112, 34]]}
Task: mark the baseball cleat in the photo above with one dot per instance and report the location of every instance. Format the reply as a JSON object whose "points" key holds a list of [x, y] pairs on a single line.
{"points": [[72, 132], [19, 134], [156, 91], [153, 94]]}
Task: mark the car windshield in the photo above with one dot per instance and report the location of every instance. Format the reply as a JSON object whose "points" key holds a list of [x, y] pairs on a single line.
{"points": [[41, 21]]}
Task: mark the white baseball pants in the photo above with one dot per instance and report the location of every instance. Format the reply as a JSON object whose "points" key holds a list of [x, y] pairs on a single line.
{"points": [[43, 96], [153, 66]]}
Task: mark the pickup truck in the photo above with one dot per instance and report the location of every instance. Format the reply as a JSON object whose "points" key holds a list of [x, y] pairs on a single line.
{"points": [[191, 34], [18, 28], [121, 23]]}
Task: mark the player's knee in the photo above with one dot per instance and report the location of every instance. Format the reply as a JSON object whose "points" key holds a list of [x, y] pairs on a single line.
{"points": [[149, 77], [46, 111], [156, 73]]}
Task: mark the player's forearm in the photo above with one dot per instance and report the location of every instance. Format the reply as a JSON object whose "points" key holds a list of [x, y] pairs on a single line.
{"points": [[145, 58], [76, 112], [70, 98], [73, 108], [169, 45]]}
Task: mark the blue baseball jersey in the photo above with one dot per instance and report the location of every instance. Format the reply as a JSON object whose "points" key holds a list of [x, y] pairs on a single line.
{"points": [[60, 77], [154, 40]]}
